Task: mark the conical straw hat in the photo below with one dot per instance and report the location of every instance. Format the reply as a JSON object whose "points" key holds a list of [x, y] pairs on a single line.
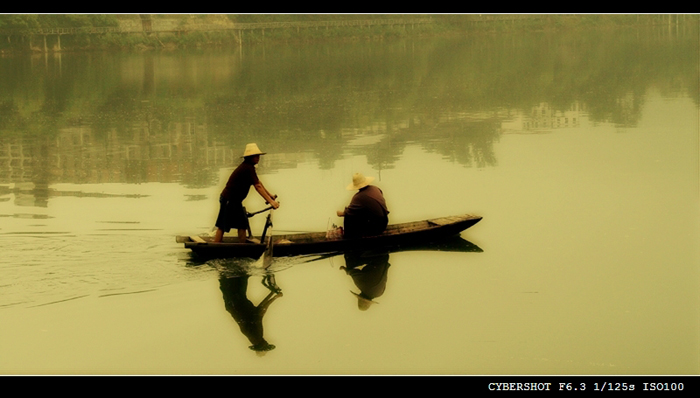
{"points": [[252, 150], [363, 303], [359, 181]]}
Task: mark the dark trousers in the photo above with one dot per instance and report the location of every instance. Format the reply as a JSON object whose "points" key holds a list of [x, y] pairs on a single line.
{"points": [[231, 216], [357, 227]]}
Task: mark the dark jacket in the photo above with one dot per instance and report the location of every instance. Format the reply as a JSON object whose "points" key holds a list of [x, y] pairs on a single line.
{"points": [[367, 213]]}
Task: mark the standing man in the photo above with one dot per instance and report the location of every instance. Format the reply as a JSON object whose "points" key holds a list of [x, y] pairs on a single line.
{"points": [[231, 213], [367, 214]]}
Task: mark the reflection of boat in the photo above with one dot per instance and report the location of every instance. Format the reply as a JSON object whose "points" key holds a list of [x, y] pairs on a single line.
{"points": [[454, 244], [449, 244], [396, 235]]}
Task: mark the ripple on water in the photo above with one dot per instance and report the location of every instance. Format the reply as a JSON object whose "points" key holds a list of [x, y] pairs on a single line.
{"points": [[232, 267], [49, 268]]}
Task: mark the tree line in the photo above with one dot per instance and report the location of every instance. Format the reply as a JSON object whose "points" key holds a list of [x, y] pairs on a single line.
{"points": [[36, 21]]}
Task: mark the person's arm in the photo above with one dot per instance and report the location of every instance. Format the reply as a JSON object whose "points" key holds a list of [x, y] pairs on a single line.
{"points": [[265, 304], [354, 206], [266, 194]]}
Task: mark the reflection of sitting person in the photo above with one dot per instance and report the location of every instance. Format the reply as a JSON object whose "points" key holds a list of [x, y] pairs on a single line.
{"points": [[247, 316], [367, 214], [369, 273]]}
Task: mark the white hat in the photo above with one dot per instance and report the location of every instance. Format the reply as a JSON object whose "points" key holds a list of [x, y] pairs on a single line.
{"points": [[363, 303], [359, 181], [252, 150]]}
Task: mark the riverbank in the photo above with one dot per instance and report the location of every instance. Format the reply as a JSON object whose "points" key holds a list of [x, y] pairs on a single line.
{"points": [[168, 32]]}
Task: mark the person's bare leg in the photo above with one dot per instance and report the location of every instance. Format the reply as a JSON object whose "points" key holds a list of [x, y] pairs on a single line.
{"points": [[219, 236], [242, 235]]}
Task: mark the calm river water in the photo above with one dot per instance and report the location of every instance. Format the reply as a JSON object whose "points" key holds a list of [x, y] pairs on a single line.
{"points": [[580, 151]]}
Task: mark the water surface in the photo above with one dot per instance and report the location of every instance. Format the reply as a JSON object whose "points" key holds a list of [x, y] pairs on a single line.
{"points": [[580, 152]]}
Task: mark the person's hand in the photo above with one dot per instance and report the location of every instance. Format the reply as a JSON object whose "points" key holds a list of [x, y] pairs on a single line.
{"points": [[340, 213], [273, 202]]}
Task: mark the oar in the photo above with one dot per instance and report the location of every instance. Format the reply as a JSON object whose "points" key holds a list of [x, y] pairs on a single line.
{"points": [[269, 280], [322, 256], [259, 211], [267, 256]]}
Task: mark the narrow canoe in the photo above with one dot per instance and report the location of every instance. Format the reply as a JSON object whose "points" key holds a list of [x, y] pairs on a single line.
{"points": [[396, 235]]}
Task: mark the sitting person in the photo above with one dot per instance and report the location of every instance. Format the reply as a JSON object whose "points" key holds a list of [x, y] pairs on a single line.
{"points": [[367, 214]]}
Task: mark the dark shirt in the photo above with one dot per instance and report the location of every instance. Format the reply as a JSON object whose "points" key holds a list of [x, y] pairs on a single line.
{"points": [[239, 183], [370, 279], [368, 203], [244, 312]]}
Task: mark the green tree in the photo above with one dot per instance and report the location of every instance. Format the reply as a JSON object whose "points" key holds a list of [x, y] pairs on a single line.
{"points": [[19, 22]]}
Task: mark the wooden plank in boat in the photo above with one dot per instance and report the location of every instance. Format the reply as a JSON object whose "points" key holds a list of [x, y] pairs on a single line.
{"points": [[197, 239], [445, 220]]}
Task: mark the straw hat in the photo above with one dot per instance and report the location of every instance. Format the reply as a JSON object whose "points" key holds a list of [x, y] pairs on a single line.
{"points": [[252, 150], [359, 181], [363, 303], [262, 348]]}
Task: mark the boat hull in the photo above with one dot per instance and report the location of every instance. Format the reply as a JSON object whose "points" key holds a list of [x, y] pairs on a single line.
{"points": [[396, 235]]}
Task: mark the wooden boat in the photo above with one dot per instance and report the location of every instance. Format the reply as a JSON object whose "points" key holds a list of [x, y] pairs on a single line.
{"points": [[396, 235]]}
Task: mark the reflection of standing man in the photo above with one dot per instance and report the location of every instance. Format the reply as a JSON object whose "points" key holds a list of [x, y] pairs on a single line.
{"points": [[248, 317], [231, 212], [369, 273]]}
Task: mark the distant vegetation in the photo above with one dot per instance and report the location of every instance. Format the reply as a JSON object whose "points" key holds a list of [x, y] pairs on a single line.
{"points": [[23, 32], [317, 97], [36, 21], [32, 21]]}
